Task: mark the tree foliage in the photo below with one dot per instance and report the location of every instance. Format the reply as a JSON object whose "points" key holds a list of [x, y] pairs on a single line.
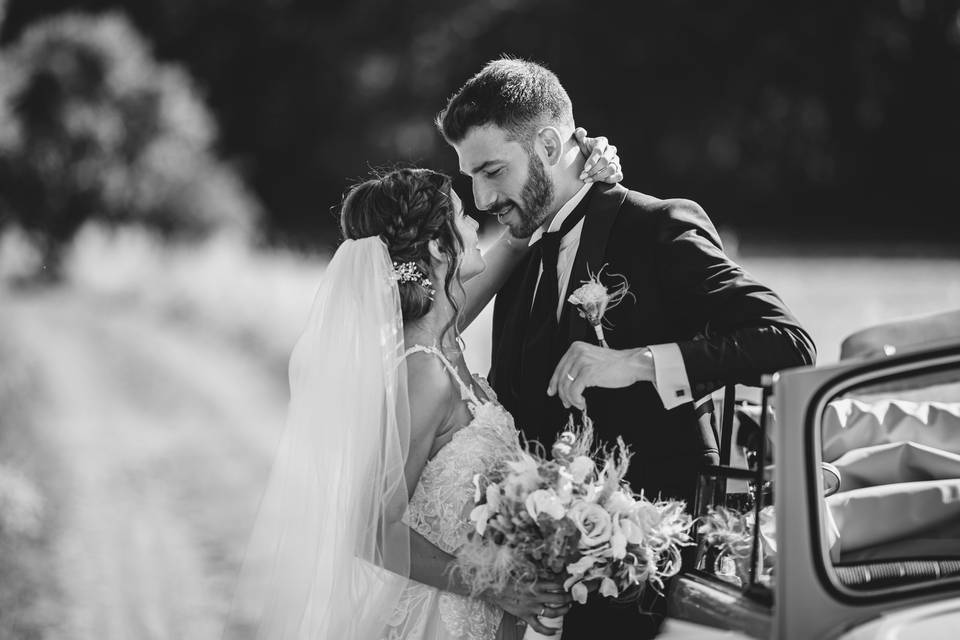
{"points": [[812, 115], [91, 126]]}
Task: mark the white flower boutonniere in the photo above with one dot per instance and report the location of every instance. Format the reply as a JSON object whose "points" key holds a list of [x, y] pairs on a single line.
{"points": [[593, 299]]}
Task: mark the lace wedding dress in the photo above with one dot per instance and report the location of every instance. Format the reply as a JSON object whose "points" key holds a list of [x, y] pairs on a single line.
{"points": [[439, 511]]}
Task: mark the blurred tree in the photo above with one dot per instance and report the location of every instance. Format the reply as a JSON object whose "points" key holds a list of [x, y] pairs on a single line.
{"points": [[92, 127], [819, 116]]}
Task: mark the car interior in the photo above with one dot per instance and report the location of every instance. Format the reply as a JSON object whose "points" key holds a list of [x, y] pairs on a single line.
{"points": [[890, 465], [896, 447]]}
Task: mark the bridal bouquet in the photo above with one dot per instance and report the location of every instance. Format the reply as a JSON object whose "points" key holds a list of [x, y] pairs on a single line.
{"points": [[574, 519]]}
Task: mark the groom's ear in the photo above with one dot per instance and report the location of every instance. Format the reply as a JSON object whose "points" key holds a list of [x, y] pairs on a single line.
{"points": [[552, 143]]}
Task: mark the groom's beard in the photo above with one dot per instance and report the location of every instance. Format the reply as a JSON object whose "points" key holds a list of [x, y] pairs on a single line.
{"points": [[535, 197]]}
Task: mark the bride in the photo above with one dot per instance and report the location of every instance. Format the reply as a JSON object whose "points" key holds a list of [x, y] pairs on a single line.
{"points": [[368, 499]]}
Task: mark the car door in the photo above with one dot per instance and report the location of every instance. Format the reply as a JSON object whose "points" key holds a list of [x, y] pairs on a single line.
{"points": [[886, 545], [858, 504]]}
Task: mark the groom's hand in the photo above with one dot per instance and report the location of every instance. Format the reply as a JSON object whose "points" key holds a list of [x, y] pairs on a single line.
{"points": [[585, 365]]}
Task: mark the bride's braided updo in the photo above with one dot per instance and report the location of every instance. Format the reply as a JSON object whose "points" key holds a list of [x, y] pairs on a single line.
{"points": [[407, 208]]}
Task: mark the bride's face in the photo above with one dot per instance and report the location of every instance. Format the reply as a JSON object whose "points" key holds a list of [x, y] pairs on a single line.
{"points": [[472, 263]]}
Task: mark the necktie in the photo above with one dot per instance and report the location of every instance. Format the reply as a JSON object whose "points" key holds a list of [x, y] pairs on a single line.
{"points": [[547, 298], [537, 354], [543, 313]]}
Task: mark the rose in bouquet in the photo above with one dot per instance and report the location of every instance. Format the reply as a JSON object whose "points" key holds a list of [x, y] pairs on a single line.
{"points": [[571, 518]]}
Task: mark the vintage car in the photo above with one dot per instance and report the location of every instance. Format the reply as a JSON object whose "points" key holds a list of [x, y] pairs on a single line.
{"points": [[853, 472]]}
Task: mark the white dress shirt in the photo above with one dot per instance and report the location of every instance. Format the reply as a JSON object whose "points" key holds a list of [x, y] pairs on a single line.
{"points": [[672, 382]]}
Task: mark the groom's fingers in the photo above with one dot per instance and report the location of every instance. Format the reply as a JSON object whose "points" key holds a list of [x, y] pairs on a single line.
{"points": [[558, 373], [564, 383], [566, 377], [571, 384], [574, 392], [567, 382]]}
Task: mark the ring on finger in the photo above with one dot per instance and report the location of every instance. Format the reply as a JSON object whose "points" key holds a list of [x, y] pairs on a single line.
{"points": [[542, 611], [571, 378]]}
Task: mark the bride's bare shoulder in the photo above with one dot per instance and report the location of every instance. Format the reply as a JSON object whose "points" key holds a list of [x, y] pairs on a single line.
{"points": [[432, 392]]}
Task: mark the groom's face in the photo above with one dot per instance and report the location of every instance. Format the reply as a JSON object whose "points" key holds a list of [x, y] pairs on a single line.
{"points": [[509, 181]]}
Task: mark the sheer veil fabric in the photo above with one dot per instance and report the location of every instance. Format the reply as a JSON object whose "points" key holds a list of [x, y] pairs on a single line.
{"points": [[328, 557]]}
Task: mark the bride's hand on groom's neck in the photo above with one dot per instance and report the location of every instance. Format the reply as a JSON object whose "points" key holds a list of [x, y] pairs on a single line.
{"points": [[602, 162]]}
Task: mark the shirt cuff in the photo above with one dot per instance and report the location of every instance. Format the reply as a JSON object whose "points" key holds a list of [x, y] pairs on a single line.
{"points": [[672, 382]]}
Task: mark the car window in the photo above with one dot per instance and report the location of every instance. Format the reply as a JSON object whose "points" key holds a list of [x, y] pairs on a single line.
{"points": [[894, 519]]}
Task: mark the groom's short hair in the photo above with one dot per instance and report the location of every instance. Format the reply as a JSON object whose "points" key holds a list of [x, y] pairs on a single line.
{"points": [[513, 94]]}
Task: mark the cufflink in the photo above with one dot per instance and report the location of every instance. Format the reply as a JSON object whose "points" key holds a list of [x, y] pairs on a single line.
{"points": [[680, 393]]}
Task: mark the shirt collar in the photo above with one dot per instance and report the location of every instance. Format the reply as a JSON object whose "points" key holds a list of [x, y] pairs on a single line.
{"points": [[565, 211]]}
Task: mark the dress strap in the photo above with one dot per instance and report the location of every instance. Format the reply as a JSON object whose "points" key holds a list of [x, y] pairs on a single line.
{"points": [[466, 393]]}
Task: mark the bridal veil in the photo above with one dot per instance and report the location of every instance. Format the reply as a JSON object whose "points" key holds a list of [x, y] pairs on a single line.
{"points": [[328, 557]]}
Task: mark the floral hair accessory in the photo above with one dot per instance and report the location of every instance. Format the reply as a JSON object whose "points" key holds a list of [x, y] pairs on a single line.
{"points": [[410, 272], [593, 299]]}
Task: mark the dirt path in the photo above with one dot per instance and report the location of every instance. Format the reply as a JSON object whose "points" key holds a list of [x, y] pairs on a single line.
{"points": [[164, 436]]}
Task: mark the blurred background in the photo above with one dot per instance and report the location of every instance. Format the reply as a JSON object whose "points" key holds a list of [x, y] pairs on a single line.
{"points": [[170, 173]]}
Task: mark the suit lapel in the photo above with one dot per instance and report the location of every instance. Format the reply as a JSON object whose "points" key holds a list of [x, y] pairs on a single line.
{"points": [[602, 212]]}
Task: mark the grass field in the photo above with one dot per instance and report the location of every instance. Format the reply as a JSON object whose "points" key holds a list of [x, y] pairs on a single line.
{"points": [[28, 523]]}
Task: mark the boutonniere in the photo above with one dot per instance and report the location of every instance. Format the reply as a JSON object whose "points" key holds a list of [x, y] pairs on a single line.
{"points": [[593, 299]]}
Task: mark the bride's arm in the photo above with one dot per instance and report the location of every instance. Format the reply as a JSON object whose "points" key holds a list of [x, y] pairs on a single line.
{"points": [[432, 403], [602, 165], [500, 259]]}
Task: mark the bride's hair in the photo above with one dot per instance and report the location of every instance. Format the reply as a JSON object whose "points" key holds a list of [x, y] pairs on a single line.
{"points": [[407, 208]]}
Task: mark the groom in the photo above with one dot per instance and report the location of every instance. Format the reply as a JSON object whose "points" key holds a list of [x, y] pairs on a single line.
{"points": [[695, 320]]}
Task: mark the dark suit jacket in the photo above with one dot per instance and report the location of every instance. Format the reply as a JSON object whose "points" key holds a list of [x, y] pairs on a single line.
{"points": [[729, 327]]}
